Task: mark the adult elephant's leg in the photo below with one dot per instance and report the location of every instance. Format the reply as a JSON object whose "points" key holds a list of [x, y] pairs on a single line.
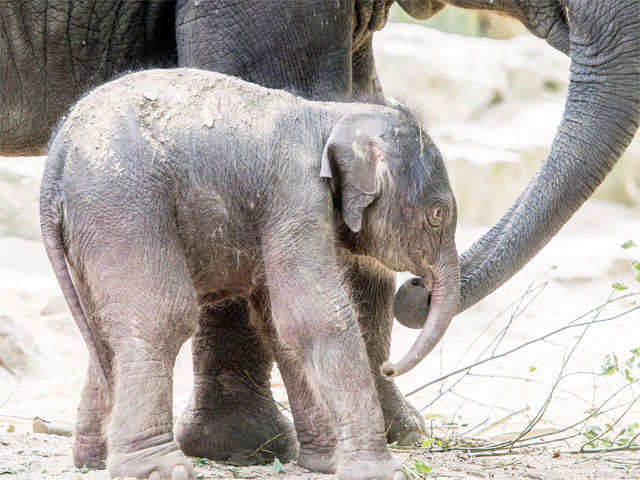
{"points": [[300, 46], [90, 440], [366, 85], [372, 287], [231, 415]]}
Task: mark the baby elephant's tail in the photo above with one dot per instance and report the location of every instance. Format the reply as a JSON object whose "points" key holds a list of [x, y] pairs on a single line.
{"points": [[51, 225]]}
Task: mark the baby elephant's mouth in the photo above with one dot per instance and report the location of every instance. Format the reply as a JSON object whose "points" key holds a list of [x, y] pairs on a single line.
{"points": [[423, 281]]}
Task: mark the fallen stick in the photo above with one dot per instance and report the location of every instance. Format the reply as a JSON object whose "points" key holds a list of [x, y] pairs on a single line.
{"points": [[42, 426]]}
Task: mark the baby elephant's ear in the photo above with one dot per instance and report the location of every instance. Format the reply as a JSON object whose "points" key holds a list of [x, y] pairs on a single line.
{"points": [[351, 158]]}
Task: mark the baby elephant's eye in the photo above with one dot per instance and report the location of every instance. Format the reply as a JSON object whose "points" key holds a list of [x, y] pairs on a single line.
{"points": [[436, 216]]}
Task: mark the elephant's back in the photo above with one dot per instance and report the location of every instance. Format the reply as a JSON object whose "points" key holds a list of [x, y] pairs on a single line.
{"points": [[168, 106]]}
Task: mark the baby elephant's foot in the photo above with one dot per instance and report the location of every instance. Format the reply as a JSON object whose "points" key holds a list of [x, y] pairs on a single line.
{"points": [[240, 434], [164, 462], [371, 470], [89, 451], [314, 460]]}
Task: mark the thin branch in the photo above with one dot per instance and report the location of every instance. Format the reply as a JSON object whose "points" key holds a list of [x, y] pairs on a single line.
{"points": [[520, 347]]}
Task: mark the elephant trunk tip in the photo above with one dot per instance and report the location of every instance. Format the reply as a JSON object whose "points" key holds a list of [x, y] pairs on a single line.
{"points": [[388, 370]]}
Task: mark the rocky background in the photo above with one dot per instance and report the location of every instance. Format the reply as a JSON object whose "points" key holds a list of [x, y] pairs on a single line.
{"points": [[492, 106]]}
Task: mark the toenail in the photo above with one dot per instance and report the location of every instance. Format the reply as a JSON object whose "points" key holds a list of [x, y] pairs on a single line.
{"points": [[179, 473], [154, 476]]}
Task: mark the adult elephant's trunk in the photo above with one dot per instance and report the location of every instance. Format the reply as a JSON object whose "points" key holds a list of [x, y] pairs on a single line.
{"points": [[444, 302], [601, 116], [421, 9]]}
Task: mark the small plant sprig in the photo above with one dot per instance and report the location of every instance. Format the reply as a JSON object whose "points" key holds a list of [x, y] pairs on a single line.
{"points": [[627, 436], [635, 267], [612, 365]]}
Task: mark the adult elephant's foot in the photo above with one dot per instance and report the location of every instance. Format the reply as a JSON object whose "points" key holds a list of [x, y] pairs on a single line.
{"points": [[162, 462], [89, 451], [403, 422], [239, 432]]}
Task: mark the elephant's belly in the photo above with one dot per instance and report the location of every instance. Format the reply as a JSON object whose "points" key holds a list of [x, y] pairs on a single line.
{"points": [[224, 261], [219, 280]]}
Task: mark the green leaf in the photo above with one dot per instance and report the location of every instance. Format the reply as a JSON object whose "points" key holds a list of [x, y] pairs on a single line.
{"points": [[628, 376], [619, 286], [421, 467], [608, 370], [433, 415], [11, 429], [628, 244], [427, 443], [393, 444], [610, 364], [635, 266], [532, 368], [277, 465]]}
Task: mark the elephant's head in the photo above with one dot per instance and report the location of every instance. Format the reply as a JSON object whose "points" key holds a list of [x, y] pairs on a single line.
{"points": [[601, 116], [391, 187]]}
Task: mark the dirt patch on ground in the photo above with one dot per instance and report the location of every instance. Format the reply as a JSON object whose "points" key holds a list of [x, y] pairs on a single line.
{"points": [[25, 455]]}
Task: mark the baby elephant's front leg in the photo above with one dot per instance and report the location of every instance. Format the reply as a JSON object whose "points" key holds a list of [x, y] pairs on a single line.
{"points": [[316, 324]]}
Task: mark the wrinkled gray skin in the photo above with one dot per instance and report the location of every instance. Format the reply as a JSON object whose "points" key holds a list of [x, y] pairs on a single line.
{"points": [[601, 116], [193, 187]]}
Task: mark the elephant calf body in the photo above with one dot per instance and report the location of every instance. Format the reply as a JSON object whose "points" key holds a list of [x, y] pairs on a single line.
{"points": [[170, 191]]}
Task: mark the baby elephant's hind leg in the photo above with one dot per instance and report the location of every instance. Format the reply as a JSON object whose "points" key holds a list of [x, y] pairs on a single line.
{"points": [[141, 442], [147, 308], [90, 441]]}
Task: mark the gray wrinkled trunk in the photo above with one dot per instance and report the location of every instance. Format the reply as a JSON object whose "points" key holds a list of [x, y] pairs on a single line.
{"points": [[446, 282]]}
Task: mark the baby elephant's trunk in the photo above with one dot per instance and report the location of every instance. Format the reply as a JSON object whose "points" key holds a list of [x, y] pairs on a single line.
{"points": [[443, 306]]}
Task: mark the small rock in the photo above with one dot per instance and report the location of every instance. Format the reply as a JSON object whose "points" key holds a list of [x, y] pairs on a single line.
{"points": [[55, 305], [207, 118], [150, 94], [17, 348]]}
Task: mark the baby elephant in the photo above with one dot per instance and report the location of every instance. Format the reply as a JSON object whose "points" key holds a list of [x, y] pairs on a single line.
{"points": [[168, 191]]}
